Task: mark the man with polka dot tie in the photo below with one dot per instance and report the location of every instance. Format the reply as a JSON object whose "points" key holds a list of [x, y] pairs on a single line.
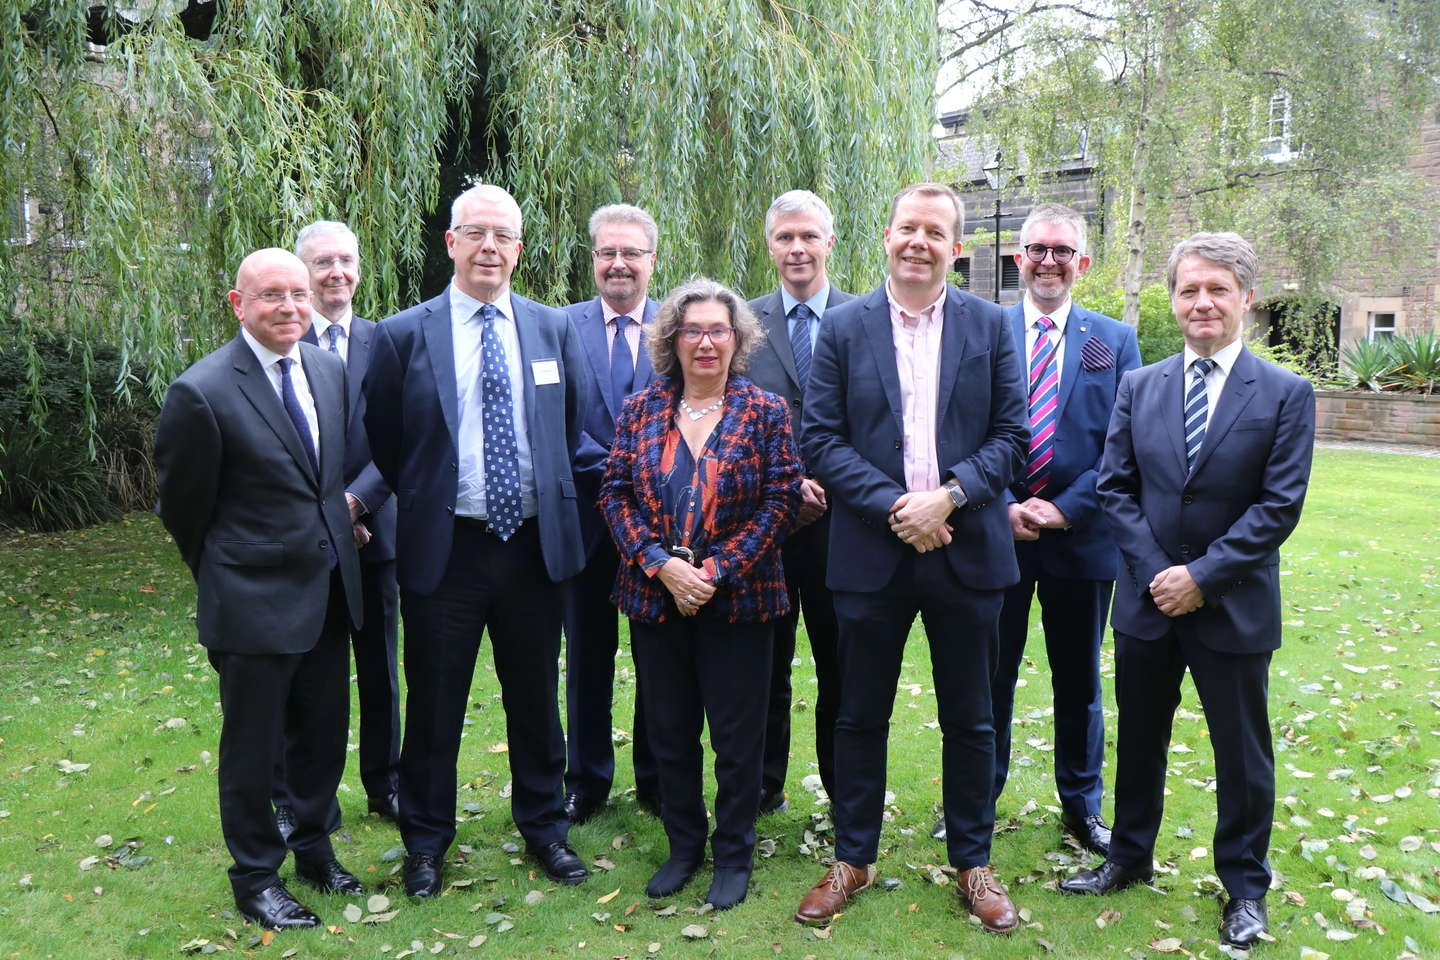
{"points": [[475, 401]]}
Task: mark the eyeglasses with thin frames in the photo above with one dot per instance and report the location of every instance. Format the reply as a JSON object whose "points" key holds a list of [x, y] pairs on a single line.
{"points": [[273, 298], [476, 233], [696, 334], [628, 254]]}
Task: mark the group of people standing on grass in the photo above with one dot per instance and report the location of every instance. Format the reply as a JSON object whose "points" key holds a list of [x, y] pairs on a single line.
{"points": [[713, 469]]}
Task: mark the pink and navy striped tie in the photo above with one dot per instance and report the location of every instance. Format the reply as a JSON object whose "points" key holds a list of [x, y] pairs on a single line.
{"points": [[1044, 401]]}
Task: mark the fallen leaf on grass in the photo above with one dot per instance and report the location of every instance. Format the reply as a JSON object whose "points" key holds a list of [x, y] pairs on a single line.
{"points": [[609, 896], [695, 931], [1169, 945]]}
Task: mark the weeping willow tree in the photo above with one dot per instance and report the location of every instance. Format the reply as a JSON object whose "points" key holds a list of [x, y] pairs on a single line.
{"points": [[150, 144]]}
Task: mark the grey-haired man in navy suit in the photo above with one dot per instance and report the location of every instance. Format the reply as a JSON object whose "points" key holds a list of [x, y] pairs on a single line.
{"points": [[1205, 471]]}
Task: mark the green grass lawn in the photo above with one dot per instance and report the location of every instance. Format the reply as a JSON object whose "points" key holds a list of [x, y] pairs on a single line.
{"points": [[110, 842]]}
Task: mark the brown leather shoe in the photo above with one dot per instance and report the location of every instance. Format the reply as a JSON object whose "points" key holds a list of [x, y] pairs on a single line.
{"points": [[826, 900], [987, 900]]}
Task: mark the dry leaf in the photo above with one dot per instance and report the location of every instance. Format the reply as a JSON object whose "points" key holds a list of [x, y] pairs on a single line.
{"points": [[609, 896]]}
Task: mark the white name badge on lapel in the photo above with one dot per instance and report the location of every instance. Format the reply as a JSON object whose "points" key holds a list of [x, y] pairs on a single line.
{"points": [[545, 371]]}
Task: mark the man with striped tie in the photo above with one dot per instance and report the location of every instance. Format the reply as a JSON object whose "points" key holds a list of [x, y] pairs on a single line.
{"points": [[1067, 558], [1203, 478]]}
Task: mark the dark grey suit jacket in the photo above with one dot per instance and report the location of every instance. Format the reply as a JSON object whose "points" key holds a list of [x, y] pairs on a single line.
{"points": [[253, 522], [772, 367]]}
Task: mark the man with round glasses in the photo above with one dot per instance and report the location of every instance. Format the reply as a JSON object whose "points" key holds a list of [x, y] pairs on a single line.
{"points": [[623, 240], [1075, 359]]}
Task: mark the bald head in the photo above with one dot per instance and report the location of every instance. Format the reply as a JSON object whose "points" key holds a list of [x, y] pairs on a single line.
{"points": [[271, 298]]}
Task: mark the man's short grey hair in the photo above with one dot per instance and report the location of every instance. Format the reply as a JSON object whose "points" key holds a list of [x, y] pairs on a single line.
{"points": [[1229, 250], [660, 333], [624, 213], [800, 201], [487, 190], [932, 189], [322, 228], [1056, 213]]}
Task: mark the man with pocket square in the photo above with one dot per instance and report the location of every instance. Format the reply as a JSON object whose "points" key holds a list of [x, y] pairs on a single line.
{"points": [[1074, 362]]}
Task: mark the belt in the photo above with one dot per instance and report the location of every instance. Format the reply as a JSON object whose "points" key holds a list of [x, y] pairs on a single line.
{"points": [[484, 524]]}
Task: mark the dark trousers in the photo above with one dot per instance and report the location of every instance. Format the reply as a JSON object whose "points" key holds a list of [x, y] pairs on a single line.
{"points": [[592, 639], [378, 685], [1072, 617], [804, 553], [693, 670], [300, 700], [1233, 689], [960, 626], [499, 587]]}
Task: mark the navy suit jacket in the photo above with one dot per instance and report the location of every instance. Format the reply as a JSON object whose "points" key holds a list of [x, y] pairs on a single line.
{"points": [[362, 477], [772, 366], [253, 522], [1089, 379], [412, 419], [1226, 519], [602, 409], [852, 436]]}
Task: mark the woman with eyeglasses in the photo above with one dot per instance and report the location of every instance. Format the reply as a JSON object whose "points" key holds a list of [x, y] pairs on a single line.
{"points": [[702, 484]]}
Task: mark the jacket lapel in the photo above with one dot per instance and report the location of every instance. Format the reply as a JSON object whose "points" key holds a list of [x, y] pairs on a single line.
{"points": [[1077, 331], [952, 347], [875, 321], [1239, 389], [777, 333], [254, 383], [326, 390], [440, 347], [1172, 407]]}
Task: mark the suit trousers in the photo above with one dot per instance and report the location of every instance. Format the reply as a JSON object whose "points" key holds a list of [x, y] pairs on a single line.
{"points": [[592, 639], [960, 626], [300, 700], [377, 684], [1233, 689], [804, 554], [693, 670], [1072, 618], [499, 587]]}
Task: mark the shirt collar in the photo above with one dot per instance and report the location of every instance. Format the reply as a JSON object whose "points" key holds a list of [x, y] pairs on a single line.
{"points": [[936, 309], [1058, 316], [1224, 358], [264, 354], [817, 303], [323, 323], [464, 306]]}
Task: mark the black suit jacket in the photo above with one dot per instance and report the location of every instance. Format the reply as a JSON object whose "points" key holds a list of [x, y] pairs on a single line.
{"points": [[362, 477], [253, 522], [772, 366]]}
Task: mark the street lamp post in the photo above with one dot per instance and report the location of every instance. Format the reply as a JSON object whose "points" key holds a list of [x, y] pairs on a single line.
{"points": [[996, 175]]}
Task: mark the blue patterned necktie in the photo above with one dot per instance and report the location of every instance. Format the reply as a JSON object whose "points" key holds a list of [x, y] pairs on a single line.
{"points": [[622, 365], [800, 342], [1197, 410], [296, 412], [503, 505], [1044, 403], [332, 333]]}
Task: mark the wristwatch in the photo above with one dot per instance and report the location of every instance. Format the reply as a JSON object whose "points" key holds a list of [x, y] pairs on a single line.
{"points": [[957, 493]]}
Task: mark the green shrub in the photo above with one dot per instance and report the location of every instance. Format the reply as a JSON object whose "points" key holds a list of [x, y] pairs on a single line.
{"points": [[1368, 364], [71, 456], [1417, 361]]}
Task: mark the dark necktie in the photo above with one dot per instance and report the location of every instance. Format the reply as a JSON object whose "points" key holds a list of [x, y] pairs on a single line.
{"points": [[1044, 401], [1197, 410], [503, 505], [332, 333], [800, 342], [622, 365], [297, 413]]}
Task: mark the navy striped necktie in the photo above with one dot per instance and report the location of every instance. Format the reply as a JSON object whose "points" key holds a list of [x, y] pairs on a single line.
{"points": [[1197, 410]]}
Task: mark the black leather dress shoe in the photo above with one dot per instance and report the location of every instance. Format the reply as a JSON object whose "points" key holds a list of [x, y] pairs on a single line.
{"points": [[386, 807], [422, 874], [772, 802], [1107, 878], [328, 876], [285, 822], [579, 810], [275, 908], [1092, 832], [1243, 922], [560, 863]]}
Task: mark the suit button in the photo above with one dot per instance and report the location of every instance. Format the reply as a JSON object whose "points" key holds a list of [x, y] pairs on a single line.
{"points": [[1187, 499], [899, 444], [324, 544], [449, 509], [1184, 549]]}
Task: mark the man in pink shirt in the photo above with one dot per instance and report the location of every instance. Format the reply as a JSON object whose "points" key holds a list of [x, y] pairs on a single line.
{"points": [[915, 419]]}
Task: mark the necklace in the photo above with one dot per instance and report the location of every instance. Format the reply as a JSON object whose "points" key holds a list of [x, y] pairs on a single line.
{"points": [[703, 412]]}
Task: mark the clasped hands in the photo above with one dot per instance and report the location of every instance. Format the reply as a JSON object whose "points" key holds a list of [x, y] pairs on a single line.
{"points": [[1028, 518], [358, 531], [1175, 592], [687, 584], [919, 519]]}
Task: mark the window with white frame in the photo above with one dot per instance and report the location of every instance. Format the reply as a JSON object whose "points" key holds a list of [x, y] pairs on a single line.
{"points": [[17, 220], [1382, 326], [1276, 145]]}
